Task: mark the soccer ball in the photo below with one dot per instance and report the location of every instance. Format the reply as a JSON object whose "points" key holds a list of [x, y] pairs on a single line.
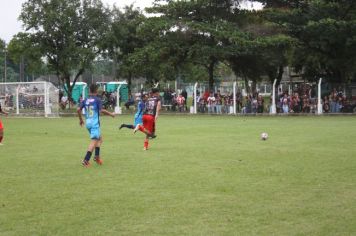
{"points": [[264, 136]]}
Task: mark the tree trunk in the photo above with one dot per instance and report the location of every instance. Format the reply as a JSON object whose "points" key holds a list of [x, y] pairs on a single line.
{"points": [[246, 85], [279, 75], [211, 68], [67, 88], [253, 86]]}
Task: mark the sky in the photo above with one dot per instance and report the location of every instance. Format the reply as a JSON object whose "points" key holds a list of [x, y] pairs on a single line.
{"points": [[10, 11]]}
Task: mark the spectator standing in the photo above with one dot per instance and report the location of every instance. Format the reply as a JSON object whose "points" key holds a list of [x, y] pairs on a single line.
{"points": [[326, 104], [306, 104], [260, 104], [218, 102], [285, 104], [181, 103], [185, 96], [227, 104], [211, 103]]}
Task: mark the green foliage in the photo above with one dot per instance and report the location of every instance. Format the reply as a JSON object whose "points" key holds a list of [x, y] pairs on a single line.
{"points": [[212, 32], [195, 31], [102, 67], [123, 40], [12, 68], [183, 38], [325, 33], [21, 46], [69, 33]]}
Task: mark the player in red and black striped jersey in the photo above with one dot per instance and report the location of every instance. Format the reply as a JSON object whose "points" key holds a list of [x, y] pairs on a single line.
{"points": [[150, 116], [1, 125]]}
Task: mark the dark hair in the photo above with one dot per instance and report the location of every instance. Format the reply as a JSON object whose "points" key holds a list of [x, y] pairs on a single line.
{"points": [[93, 88], [155, 90]]}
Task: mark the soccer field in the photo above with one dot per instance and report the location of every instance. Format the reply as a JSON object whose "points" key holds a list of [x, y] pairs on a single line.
{"points": [[203, 175]]}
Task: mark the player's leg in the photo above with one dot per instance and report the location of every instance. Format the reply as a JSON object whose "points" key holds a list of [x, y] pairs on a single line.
{"points": [[143, 128], [1, 132], [97, 158], [145, 144], [91, 147], [94, 136], [148, 125], [126, 126], [153, 133], [1, 135]]}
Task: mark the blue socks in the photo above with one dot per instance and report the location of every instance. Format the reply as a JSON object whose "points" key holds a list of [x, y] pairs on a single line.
{"points": [[87, 156], [97, 151]]}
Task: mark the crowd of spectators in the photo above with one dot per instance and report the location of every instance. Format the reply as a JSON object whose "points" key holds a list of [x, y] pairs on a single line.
{"points": [[210, 102], [175, 101], [304, 100], [301, 100], [337, 102], [108, 99]]}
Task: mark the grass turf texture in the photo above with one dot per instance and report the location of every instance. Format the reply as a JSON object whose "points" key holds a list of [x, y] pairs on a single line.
{"points": [[203, 175]]}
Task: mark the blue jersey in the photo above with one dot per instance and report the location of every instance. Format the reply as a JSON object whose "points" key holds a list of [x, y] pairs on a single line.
{"points": [[92, 106], [139, 113], [140, 109]]}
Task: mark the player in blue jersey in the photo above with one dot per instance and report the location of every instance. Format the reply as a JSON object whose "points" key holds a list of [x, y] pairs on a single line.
{"points": [[93, 107], [139, 113]]}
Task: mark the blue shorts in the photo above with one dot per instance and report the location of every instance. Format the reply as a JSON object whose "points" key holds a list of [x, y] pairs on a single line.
{"points": [[94, 132]]}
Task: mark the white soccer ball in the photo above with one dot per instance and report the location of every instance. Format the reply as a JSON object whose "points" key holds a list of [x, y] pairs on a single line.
{"points": [[264, 136]]}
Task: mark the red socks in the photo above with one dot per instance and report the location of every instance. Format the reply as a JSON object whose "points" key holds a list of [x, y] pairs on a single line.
{"points": [[145, 145]]}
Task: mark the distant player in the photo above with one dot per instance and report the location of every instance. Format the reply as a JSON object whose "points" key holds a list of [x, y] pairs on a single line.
{"points": [[93, 108], [1, 126], [139, 113], [150, 116]]}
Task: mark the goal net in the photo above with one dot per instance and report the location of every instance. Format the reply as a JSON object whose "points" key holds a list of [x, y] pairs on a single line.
{"points": [[30, 99]]}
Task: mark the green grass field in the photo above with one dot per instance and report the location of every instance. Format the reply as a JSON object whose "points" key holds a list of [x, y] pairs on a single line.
{"points": [[203, 175]]}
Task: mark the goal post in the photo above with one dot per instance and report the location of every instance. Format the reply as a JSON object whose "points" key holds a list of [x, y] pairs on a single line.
{"points": [[32, 99]]}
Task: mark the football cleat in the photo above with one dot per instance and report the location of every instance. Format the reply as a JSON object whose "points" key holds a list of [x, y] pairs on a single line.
{"points": [[85, 163], [98, 160]]}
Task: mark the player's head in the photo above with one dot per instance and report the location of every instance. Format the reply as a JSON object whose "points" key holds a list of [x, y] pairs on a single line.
{"points": [[144, 96], [154, 91], [93, 89]]}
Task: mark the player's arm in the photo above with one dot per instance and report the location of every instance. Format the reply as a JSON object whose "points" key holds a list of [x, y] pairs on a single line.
{"points": [[158, 109], [106, 112], [79, 112]]}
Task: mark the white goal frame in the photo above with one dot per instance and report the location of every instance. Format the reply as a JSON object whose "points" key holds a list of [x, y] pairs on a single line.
{"points": [[46, 91]]}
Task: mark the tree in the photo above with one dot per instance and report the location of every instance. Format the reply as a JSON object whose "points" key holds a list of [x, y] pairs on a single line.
{"points": [[124, 40], [324, 31], [201, 25], [11, 68], [23, 51], [69, 33], [219, 31]]}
